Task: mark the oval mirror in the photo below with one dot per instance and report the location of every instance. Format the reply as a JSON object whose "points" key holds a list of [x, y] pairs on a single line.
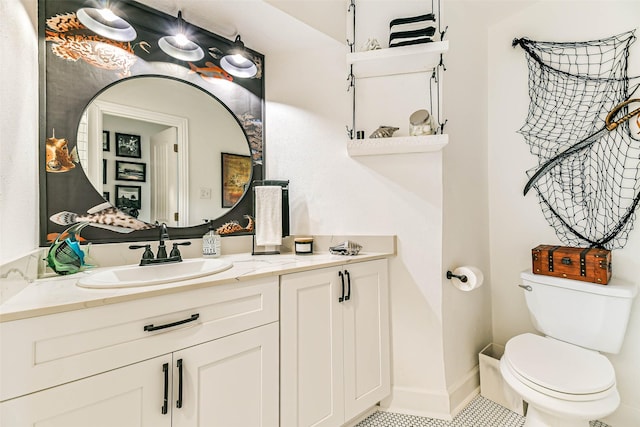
{"points": [[163, 150]]}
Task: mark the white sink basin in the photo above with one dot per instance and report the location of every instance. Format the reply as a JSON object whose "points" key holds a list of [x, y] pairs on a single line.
{"points": [[131, 276]]}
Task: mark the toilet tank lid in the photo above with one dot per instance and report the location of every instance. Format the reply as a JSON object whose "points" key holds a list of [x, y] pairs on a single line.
{"points": [[615, 288]]}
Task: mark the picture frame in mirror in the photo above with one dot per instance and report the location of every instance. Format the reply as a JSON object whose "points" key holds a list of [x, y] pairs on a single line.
{"points": [[131, 171], [106, 143], [128, 145]]}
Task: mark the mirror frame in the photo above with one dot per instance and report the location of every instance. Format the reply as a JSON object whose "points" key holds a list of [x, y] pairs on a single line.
{"points": [[69, 85]]}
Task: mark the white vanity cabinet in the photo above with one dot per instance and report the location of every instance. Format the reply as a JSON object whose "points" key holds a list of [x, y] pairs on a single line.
{"points": [[230, 382], [127, 397], [334, 343], [206, 357]]}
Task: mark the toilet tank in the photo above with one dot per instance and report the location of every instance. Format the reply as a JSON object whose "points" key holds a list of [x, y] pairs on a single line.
{"points": [[585, 314]]}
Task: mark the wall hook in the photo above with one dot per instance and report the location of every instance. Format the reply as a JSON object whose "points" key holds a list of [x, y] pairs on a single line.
{"points": [[461, 277]]}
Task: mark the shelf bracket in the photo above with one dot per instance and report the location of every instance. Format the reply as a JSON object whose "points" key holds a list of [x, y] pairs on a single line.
{"points": [[351, 78], [442, 126], [352, 87], [442, 33], [352, 10], [441, 64]]}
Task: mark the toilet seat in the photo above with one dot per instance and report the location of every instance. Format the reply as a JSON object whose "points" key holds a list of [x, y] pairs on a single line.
{"points": [[559, 369]]}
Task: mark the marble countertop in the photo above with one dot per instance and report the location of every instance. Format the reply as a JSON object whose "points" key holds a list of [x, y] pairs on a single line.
{"points": [[59, 294]]}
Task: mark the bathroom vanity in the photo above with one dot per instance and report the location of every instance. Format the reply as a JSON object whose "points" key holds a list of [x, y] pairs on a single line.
{"points": [[334, 343], [262, 343]]}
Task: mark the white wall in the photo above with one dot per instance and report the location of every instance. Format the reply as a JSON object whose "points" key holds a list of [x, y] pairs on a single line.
{"points": [[19, 214], [307, 111], [517, 224], [467, 315]]}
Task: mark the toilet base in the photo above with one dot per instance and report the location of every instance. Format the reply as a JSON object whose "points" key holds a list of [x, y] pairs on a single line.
{"points": [[537, 418]]}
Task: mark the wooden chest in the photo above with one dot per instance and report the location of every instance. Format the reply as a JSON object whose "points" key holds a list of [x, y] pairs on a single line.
{"points": [[586, 264]]}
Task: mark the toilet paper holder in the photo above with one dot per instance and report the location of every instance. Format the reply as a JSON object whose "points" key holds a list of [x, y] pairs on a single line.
{"points": [[460, 277]]}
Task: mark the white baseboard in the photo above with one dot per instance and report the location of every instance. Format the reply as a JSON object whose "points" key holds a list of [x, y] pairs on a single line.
{"points": [[464, 390], [419, 402], [434, 404]]}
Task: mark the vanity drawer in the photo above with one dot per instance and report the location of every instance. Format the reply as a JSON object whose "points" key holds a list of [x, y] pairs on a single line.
{"points": [[49, 350]]}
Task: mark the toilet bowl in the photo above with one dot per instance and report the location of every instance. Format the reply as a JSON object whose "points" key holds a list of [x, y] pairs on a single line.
{"points": [[562, 375], [564, 385]]}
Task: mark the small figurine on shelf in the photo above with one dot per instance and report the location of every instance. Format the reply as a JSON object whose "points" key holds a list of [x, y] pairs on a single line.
{"points": [[371, 44], [383, 132]]}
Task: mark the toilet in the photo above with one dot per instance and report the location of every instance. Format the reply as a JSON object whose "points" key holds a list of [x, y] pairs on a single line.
{"points": [[562, 375]]}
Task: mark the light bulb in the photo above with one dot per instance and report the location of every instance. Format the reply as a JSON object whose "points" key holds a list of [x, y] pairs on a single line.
{"points": [[181, 39], [108, 14]]}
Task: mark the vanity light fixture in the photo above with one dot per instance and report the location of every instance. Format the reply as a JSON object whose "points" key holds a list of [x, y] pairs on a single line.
{"points": [[179, 46], [106, 23], [237, 63]]}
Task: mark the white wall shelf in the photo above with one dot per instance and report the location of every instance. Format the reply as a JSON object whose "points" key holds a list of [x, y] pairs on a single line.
{"points": [[397, 145], [397, 60]]}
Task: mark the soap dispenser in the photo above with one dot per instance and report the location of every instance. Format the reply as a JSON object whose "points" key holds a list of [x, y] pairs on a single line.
{"points": [[211, 242]]}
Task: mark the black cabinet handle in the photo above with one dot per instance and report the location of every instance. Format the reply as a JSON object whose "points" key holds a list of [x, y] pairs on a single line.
{"points": [[348, 297], [149, 328], [165, 407], [342, 280], [179, 402]]}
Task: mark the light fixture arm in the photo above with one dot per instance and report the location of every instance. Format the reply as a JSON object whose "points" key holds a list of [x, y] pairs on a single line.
{"points": [[179, 46], [180, 23]]}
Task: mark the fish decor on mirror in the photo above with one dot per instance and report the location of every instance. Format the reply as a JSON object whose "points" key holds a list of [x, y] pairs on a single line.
{"points": [[235, 227], [71, 40], [210, 72], [104, 216], [253, 128], [215, 52], [383, 132], [588, 175], [58, 159]]}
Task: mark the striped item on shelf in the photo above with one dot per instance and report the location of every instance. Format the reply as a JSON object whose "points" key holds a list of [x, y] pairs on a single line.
{"points": [[412, 30]]}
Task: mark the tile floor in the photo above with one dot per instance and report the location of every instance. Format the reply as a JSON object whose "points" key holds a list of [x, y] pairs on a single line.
{"points": [[480, 412]]}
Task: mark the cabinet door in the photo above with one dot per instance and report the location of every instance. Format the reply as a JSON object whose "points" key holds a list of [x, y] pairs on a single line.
{"points": [[311, 349], [132, 396], [367, 378], [229, 382]]}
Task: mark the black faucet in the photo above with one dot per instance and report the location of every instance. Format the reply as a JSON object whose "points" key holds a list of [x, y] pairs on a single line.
{"points": [[164, 235], [161, 257]]}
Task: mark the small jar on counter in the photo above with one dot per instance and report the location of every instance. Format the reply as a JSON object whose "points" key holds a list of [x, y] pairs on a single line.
{"points": [[304, 245]]}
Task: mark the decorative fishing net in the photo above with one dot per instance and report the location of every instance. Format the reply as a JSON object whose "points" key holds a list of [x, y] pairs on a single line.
{"points": [[591, 188]]}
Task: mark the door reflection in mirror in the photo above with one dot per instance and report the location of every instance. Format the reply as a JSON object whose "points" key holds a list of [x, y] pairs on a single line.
{"points": [[183, 133]]}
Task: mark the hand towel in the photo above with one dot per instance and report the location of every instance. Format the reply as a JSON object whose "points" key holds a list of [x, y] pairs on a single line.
{"points": [[268, 215]]}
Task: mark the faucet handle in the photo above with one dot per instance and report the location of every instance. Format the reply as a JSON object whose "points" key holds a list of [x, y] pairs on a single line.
{"points": [[147, 250], [175, 251], [162, 251]]}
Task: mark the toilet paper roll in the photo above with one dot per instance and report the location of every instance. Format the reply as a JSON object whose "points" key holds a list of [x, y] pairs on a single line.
{"points": [[474, 278]]}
